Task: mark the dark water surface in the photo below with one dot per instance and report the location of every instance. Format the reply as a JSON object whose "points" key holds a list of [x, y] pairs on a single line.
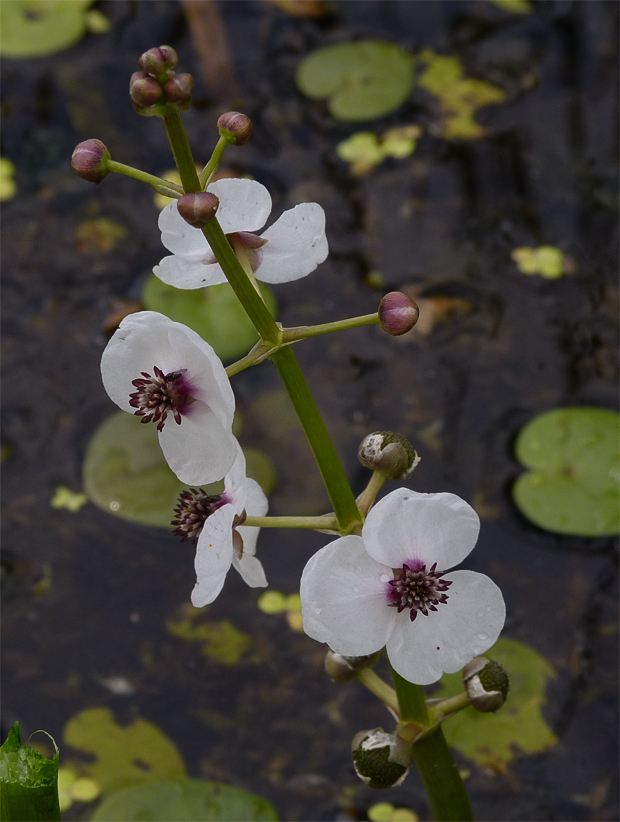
{"points": [[446, 220]]}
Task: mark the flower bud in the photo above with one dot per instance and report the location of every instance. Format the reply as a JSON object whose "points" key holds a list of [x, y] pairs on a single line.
{"points": [[197, 209], [389, 453], [90, 161], [145, 92], [398, 313], [486, 683], [236, 127], [178, 90], [373, 757], [345, 668], [156, 61]]}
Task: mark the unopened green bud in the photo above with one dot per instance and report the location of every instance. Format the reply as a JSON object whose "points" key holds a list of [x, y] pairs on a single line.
{"points": [[156, 61], [345, 668], [145, 92], [197, 209], [179, 89], [398, 313], [486, 683], [389, 453], [235, 127], [90, 160], [379, 758]]}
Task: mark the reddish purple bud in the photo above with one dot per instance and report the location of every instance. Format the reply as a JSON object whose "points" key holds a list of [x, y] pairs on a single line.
{"points": [[236, 127], [398, 313], [197, 209], [178, 90], [144, 90], [90, 161], [156, 61]]}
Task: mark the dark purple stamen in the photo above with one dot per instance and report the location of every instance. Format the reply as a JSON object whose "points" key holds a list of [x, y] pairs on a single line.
{"points": [[160, 395], [193, 509], [416, 588]]}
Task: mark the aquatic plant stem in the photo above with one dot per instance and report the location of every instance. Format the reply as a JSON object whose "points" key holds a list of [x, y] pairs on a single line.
{"points": [[379, 688], [334, 477], [327, 522], [212, 166], [303, 331], [431, 754], [160, 185]]}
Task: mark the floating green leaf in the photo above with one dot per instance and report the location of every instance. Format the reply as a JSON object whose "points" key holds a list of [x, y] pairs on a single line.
{"points": [[66, 498], [221, 641], [75, 788], [365, 150], [459, 96], [514, 6], [214, 312], [122, 755], [36, 28], [177, 800], [546, 260], [8, 186], [364, 80], [125, 473], [572, 487], [519, 727]]}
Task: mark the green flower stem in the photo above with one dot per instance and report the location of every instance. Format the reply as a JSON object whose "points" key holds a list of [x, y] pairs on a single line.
{"points": [[379, 688], [442, 708], [433, 758], [212, 166], [442, 781], [327, 522], [334, 477], [303, 331], [331, 469], [369, 494], [256, 355], [161, 186]]}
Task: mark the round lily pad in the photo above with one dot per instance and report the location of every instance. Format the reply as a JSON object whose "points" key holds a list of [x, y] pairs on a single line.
{"points": [[572, 485], [214, 312], [125, 472], [364, 80], [182, 799], [36, 28]]}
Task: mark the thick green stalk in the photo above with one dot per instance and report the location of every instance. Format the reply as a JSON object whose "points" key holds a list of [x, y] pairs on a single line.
{"points": [[442, 780], [331, 469], [411, 701]]}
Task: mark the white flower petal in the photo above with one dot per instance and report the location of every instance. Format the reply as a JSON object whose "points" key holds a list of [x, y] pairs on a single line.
{"points": [[439, 528], [343, 598], [188, 272], [251, 570], [296, 244], [214, 555], [244, 205], [235, 481], [179, 236], [200, 450], [447, 639]]}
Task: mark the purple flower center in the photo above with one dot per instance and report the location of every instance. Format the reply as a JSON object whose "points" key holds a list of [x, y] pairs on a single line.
{"points": [[193, 509], [160, 395], [416, 588]]}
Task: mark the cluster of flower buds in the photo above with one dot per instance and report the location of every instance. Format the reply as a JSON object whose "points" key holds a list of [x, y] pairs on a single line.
{"points": [[388, 453], [157, 83], [381, 760], [486, 684]]}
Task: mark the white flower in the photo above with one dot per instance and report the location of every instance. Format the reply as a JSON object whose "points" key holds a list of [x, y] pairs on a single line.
{"points": [[388, 588], [222, 541], [289, 249], [166, 373]]}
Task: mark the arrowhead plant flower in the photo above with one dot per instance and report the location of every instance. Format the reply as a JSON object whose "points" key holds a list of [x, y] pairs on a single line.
{"points": [[215, 523], [390, 588], [167, 374], [289, 249]]}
